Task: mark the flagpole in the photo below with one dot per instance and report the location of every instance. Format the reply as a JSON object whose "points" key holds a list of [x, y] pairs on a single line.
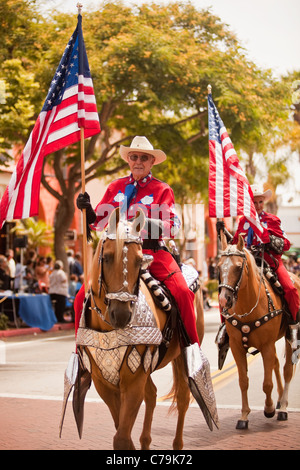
{"points": [[84, 232], [209, 90]]}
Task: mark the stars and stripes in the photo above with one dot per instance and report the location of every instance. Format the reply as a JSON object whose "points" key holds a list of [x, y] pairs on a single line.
{"points": [[230, 193], [70, 105]]}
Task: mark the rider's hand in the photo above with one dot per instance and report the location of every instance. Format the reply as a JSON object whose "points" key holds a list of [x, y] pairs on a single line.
{"points": [[220, 225], [83, 202]]}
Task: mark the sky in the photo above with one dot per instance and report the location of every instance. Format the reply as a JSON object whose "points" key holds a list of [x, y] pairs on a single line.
{"points": [[268, 29]]}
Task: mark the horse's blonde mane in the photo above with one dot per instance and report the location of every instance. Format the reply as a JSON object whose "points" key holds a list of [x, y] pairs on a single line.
{"points": [[121, 235]]}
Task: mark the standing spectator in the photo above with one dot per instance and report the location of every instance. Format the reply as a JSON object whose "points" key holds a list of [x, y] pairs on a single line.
{"points": [[76, 268], [49, 264], [19, 274], [211, 268], [70, 256], [11, 266], [4, 274], [58, 290], [42, 276]]}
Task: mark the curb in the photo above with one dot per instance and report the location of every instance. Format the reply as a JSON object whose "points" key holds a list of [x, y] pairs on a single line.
{"points": [[30, 331]]}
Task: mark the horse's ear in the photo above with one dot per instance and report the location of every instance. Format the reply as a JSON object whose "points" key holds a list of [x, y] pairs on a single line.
{"points": [[223, 240], [113, 221], [241, 243], [138, 223]]}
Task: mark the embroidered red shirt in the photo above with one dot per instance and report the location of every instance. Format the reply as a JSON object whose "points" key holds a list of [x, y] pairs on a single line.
{"points": [[153, 196]]}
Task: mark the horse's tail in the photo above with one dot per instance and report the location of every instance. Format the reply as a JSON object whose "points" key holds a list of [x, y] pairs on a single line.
{"points": [[178, 367]]}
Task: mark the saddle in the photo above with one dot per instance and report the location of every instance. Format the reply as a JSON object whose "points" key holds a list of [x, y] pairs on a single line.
{"points": [[272, 277], [164, 300]]}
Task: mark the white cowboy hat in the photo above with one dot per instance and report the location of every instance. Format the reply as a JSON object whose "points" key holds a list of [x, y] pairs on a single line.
{"points": [[258, 191], [142, 144]]}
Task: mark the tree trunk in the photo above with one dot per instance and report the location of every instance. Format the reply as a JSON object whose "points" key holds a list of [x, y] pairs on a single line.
{"points": [[63, 219]]}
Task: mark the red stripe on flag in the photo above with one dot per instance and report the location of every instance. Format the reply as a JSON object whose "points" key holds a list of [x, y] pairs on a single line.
{"points": [[212, 180]]}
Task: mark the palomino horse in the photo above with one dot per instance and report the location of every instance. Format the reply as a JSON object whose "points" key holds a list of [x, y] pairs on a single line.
{"points": [[121, 374], [254, 318]]}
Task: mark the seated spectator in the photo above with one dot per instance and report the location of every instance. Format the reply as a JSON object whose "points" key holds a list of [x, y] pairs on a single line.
{"points": [[29, 276]]}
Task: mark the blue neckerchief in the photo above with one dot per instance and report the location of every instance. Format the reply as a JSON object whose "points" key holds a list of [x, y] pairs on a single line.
{"points": [[250, 237], [130, 192]]}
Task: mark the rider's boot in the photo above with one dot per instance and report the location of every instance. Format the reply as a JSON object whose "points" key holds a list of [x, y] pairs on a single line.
{"points": [[222, 342]]}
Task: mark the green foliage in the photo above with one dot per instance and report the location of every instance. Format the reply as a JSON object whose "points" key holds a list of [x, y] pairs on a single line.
{"points": [[4, 321], [38, 232]]}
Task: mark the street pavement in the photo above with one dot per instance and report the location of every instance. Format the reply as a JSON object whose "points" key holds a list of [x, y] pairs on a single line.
{"points": [[31, 422]]}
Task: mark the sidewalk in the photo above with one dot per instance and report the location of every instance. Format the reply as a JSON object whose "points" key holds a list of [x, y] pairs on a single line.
{"points": [[31, 424], [34, 331]]}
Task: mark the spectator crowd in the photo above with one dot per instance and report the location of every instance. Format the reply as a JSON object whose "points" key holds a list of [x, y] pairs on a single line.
{"points": [[43, 275]]}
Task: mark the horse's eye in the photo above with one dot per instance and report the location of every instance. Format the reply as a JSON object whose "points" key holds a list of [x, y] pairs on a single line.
{"points": [[238, 267], [108, 258]]}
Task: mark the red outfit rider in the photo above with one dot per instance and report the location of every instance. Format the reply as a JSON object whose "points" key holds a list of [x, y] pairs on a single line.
{"points": [[274, 237], [156, 198], [272, 226]]}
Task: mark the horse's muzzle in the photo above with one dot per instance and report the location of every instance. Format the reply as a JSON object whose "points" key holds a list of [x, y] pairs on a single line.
{"points": [[226, 298], [120, 313]]}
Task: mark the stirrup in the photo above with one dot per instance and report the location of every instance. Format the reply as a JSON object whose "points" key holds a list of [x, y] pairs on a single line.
{"points": [[76, 377], [222, 342], [198, 373]]}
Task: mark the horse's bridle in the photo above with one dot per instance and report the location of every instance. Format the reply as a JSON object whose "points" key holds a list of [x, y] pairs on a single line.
{"points": [[122, 295], [234, 289]]}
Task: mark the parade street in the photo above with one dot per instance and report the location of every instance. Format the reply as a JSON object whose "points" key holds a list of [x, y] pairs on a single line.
{"points": [[31, 388]]}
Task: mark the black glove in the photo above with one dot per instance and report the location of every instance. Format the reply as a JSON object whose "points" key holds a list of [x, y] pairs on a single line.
{"points": [[83, 202], [220, 225], [276, 244]]}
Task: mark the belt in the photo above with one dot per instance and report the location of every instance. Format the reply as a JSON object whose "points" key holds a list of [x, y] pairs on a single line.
{"points": [[154, 245]]}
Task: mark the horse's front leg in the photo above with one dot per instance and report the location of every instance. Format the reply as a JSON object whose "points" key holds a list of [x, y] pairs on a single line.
{"points": [[269, 359], [132, 390], [288, 370], [241, 361], [182, 392], [150, 403]]}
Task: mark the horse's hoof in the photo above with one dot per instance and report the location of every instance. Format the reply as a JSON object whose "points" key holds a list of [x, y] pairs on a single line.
{"points": [[282, 416], [270, 414], [242, 424]]}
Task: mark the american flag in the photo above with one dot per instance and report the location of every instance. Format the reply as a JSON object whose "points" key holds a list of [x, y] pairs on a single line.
{"points": [[229, 190], [69, 106]]}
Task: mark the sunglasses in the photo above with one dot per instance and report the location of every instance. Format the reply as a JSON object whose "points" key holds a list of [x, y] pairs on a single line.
{"points": [[143, 158]]}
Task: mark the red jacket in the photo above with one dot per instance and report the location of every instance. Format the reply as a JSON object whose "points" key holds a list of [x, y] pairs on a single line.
{"points": [[155, 197], [272, 226]]}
